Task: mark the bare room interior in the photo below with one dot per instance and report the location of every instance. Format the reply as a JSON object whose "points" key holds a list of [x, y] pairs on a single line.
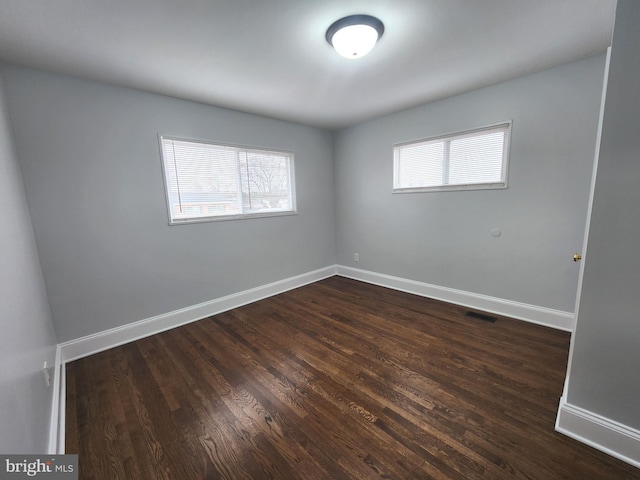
{"points": [[384, 307]]}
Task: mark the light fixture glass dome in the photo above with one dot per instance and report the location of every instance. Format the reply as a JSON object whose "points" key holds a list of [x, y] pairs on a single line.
{"points": [[355, 36]]}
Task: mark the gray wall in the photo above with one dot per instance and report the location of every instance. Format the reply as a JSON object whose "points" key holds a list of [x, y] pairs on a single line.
{"points": [[604, 376], [93, 179], [443, 238], [27, 338]]}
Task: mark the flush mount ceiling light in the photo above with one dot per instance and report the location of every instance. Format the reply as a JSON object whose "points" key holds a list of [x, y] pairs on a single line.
{"points": [[355, 36]]}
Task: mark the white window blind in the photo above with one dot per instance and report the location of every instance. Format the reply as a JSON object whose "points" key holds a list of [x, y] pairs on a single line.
{"points": [[473, 159], [205, 181]]}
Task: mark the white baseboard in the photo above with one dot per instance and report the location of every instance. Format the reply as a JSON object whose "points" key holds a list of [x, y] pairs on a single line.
{"points": [[522, 311], [615, 439], [98, 342], [90, 344], [606, 435], [85, 346], [58, 402]]}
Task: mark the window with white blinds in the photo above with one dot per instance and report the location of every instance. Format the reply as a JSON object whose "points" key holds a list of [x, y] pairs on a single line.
{"points": [[475, 159], [206, 182]]}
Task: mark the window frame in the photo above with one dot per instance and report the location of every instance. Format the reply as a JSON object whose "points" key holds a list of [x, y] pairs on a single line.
{"points": [[241, 216], [502, 184]]}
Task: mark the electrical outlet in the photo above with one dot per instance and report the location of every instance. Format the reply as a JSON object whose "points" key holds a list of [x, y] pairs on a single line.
{"points": [[356, 257], [47, 375]]}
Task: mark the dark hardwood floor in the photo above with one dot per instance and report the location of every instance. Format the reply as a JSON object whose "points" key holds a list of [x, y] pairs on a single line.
{"points": [[338, 379]]}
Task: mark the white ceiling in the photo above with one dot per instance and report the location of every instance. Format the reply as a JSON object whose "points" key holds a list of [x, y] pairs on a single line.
{"points": [[270, 57]]}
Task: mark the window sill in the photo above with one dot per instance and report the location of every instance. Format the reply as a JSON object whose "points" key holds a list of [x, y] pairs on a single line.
{"points": [[224, 218], [446, 188]]}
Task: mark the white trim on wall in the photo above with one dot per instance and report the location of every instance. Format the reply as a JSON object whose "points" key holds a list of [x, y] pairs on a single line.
{"points": [[601, 433], [58, 402], [521, 311], [585, 241], [90, 344], [98, 342]]}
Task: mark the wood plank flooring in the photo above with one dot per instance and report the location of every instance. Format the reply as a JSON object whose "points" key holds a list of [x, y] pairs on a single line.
{"points": [[334, 380]]}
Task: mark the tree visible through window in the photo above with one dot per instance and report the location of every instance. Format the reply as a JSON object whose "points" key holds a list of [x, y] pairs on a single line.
{"points": [[205, 181]]}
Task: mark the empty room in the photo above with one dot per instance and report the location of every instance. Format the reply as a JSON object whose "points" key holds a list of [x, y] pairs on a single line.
{"points": [[320, 240]]}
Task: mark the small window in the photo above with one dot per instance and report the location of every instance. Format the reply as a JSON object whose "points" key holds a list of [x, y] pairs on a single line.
{"points": [[475, 159], [206, 182]]}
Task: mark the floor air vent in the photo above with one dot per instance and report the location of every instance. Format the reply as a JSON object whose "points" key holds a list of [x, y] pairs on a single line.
{"points": [[481, 316]]}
